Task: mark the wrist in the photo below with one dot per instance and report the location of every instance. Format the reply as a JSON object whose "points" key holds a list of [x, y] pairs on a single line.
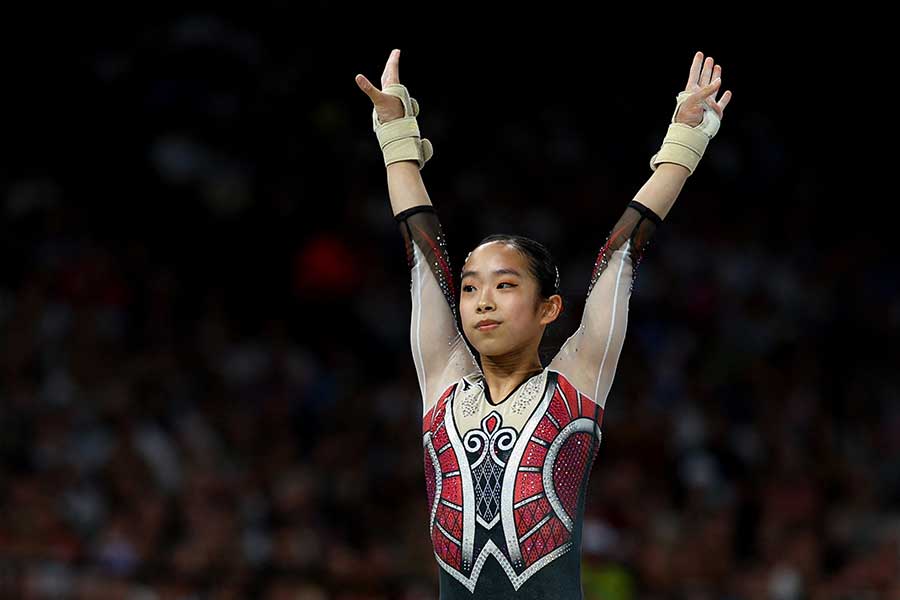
{"points": [[399, 138], [674, 169]]}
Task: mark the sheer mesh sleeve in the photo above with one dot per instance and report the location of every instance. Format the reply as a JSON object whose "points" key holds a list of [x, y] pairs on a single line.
{"points": [[590, 355], [439, 350]]}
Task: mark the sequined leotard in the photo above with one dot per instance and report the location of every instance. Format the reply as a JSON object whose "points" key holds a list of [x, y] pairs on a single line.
{"points": [[505, 481]]}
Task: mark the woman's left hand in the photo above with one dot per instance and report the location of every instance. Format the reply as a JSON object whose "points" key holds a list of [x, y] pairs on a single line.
{"points": [[704, 82]]}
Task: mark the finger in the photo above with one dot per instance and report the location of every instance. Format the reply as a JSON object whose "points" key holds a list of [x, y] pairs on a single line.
{"points": [[718, 105], [705, 91], [726, 98], [391, 69], [706, 73], [365, 85], [695, 70], [716, 87]]}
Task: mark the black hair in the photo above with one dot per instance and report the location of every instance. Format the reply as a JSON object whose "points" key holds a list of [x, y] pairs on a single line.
{"points": [[540, 261]]}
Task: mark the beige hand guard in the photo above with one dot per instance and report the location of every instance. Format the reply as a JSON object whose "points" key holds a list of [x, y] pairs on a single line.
{"points": [[400, 138], [684, 145]]}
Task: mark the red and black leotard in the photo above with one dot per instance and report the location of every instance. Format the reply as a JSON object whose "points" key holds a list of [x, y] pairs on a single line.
{"points": [[506, 479]]}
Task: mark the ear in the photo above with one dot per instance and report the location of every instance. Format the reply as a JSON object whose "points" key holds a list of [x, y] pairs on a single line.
{"points": [[551, 309]]}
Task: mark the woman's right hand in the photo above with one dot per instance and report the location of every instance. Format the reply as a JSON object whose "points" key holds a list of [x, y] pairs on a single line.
{"points": [[704, 82], [387, 107]]}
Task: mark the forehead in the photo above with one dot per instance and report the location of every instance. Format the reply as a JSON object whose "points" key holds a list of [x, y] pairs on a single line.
{"points": [[495, 255]]}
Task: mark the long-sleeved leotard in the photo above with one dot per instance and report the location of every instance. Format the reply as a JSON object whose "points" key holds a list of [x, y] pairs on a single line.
{"points": [[590, 355], [505, 481], [439, 350]]}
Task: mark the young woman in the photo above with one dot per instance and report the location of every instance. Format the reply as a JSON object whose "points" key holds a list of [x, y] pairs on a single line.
{"points": [[509, 444]]}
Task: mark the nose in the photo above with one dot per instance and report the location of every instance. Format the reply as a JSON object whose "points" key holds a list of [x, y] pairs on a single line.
{"points": [[484, 305]]}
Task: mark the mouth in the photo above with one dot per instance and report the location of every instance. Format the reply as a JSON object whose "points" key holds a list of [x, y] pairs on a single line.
{"points": [[487, 325]]}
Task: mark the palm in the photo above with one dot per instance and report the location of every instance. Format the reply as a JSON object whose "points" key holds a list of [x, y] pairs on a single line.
{"points": [[703, 87]]}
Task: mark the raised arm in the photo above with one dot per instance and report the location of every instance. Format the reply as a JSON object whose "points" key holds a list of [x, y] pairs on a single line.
{"points": [[590, 356], [440, 353], [439, 350]]}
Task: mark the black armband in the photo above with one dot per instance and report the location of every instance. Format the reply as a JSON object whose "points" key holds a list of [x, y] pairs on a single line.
{"points": [[425, 240], [637, 225]]}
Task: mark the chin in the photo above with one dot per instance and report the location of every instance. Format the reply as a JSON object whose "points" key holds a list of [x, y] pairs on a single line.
{"points": [[492, 347]]}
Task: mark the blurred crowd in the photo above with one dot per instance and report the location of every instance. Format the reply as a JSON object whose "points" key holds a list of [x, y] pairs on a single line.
{"points": [[206, 386]]}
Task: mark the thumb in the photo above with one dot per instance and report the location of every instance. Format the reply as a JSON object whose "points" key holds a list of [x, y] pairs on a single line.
{"points": [[701, 93], [366, 86], [708, 88]]}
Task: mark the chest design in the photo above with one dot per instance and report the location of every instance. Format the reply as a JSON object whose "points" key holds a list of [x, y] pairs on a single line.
{"points": [[507, 484], [487, 450]]}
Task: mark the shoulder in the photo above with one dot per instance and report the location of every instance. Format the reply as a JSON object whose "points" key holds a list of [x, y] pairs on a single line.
{"points": [[565, 385]]}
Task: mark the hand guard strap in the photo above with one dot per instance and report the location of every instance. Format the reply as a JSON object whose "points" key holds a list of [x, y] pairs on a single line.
{"points": [[400, 139], [684, 145]]}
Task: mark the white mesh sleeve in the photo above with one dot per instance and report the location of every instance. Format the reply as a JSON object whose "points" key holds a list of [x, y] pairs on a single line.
{"points": [[440, 352], [589, 357]]}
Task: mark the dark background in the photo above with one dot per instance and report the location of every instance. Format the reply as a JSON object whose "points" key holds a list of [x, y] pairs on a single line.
{"points": [[206, 386]]}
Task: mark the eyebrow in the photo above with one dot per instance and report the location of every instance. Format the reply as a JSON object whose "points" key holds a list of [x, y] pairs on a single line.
{"points": [[496, 272]]}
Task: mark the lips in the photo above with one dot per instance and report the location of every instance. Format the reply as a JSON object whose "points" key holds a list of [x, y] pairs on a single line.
{"points": [[487, 324]]}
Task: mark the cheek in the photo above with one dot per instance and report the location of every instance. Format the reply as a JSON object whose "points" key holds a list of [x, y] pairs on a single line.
{"points": [[522, 311], [464, 309]]}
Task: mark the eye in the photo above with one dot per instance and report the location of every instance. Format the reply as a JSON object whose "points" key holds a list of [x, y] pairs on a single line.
{"points": [[466, 288]]}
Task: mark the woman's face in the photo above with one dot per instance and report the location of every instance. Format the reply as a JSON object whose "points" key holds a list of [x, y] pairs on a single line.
{"points": [[497, 284]]}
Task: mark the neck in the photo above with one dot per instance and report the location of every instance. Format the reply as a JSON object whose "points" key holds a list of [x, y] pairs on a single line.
{"points": [[503, 373], [503, 367]]}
